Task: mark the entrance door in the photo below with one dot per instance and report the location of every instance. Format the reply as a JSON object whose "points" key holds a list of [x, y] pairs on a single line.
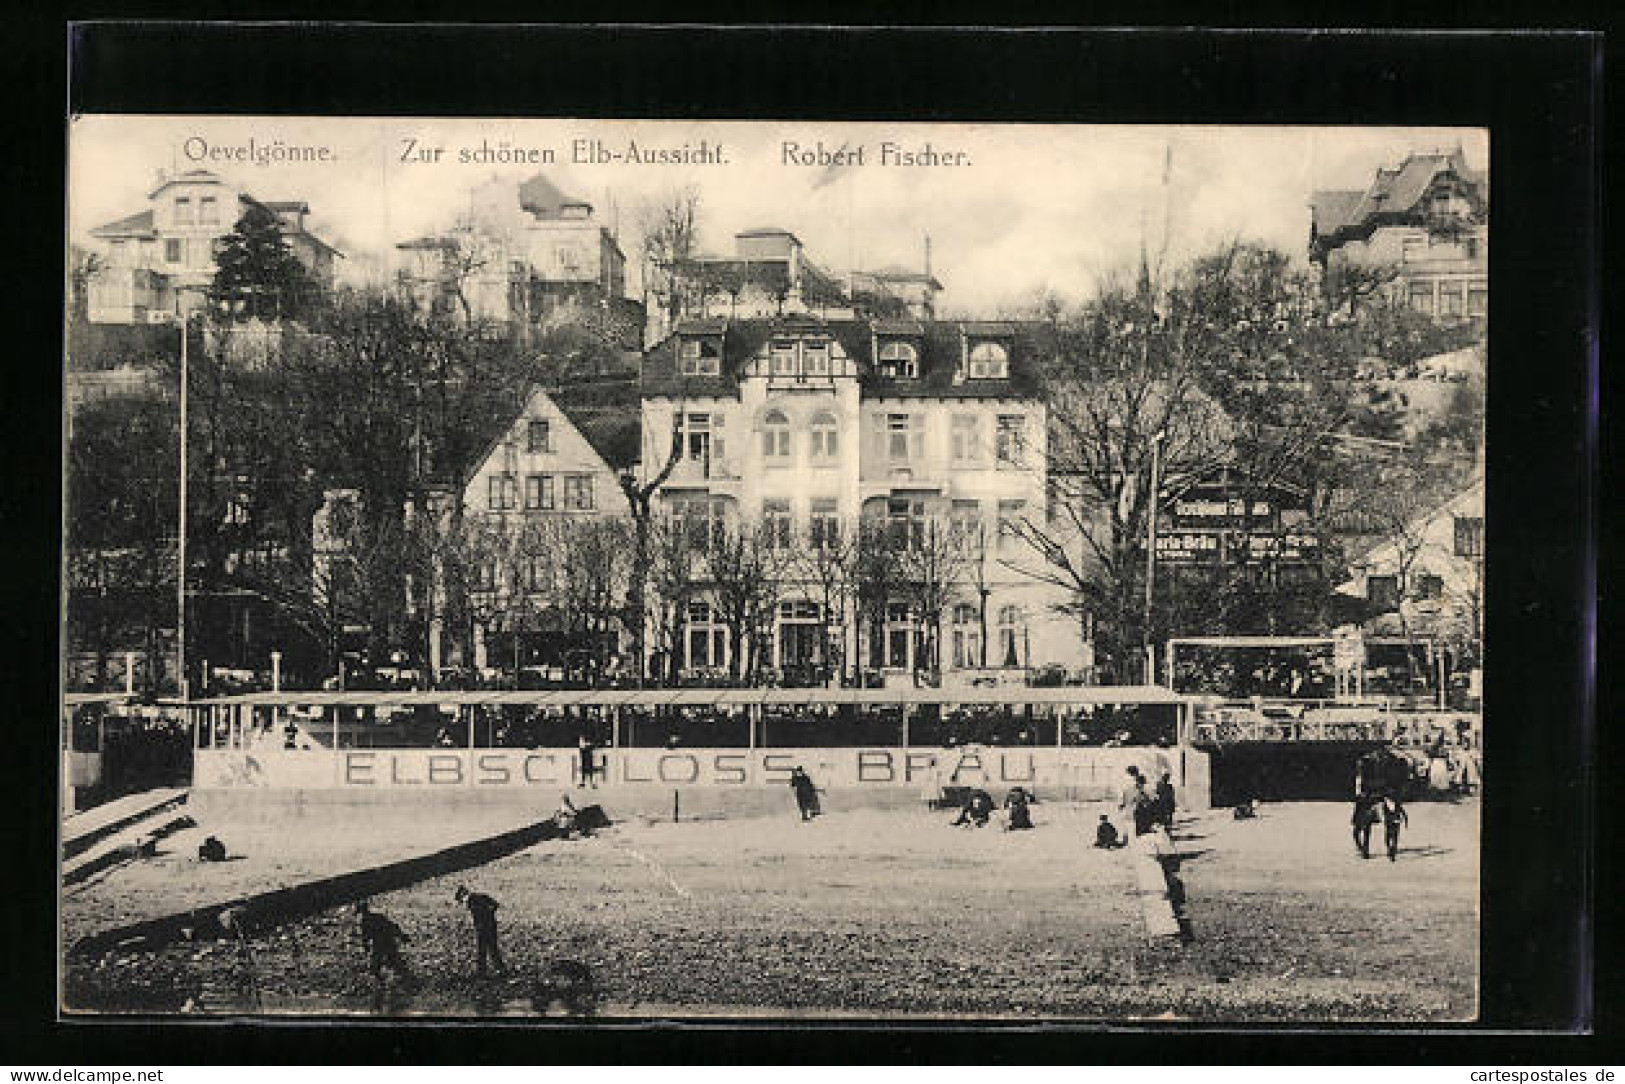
{"points": [[800, 641]]}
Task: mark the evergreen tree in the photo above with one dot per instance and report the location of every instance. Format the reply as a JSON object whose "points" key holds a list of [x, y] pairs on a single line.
{"points": [[257, 274]]}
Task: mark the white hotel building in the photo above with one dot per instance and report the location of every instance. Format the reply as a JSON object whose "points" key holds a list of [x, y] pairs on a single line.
{"points": [[800, 420]]}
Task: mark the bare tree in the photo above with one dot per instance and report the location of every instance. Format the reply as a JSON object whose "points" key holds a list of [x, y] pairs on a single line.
{"points": [[932, 565], [592, 557], [745, 565], [823, 559], [674, 572], [877, 578], [1123, 383], [668, 237]]}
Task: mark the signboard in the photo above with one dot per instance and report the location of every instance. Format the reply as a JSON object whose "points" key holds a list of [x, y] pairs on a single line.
{"points": [[375, 769], [1204, 545]]}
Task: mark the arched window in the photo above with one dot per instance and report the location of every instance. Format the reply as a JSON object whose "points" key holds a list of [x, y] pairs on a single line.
{"points": [[1012, 636], [776, 435], [825, 436], [898, 361], [989, 361], [967, 637]]}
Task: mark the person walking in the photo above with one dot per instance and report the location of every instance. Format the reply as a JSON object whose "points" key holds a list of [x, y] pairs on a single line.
{"points": [[806, 793], [589, 764], [483, 910], [382, 939], [1364, 818], [1393, 816], [1165, 801], [1137, 802]]}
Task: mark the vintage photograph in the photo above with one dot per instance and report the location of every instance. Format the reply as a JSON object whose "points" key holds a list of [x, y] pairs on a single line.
{"points": [[611, 570]]}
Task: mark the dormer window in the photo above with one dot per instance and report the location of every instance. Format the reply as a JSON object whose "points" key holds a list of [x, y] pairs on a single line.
{"points": [[989, 361], [815, 358], [784, 358], [899, 361], [701, 357]]}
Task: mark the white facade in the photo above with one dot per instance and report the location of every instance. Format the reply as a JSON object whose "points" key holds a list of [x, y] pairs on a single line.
{"points": [[159, 264], [517, 242], [1432, 571], [543, 464], [804, 435]]}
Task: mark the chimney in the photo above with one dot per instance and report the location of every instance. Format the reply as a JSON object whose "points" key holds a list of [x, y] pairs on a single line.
{"points": [[928, 255]]}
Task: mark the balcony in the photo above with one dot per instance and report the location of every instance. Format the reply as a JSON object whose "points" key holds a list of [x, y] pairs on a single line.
{"points": [[710, 469]]}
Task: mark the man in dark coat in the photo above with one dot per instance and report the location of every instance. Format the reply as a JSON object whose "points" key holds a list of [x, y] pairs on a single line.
{"points": [[382, 938], [1017, 810], [589, 763], [1164, 801], [806, 793], [1393, 815], [1365, 816], [483, 910]]}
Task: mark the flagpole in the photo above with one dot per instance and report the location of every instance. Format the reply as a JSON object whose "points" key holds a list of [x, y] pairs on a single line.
{"points": [[180, 576]]}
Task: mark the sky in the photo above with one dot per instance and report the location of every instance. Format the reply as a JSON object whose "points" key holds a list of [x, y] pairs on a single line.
{"points": [[1022, 208]]}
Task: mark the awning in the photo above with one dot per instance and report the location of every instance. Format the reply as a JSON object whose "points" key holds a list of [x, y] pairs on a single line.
{"points": [[1077, 695]]}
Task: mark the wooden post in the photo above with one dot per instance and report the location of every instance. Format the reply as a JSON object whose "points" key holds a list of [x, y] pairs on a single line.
{"points": [[752, 713]]}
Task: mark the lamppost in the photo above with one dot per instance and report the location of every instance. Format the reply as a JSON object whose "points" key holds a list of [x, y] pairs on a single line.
{"points": [[1151, 553]]}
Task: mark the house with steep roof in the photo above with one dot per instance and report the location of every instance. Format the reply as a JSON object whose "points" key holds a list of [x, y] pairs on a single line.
{"points": [[159, 263], [555, 461], [810, 425], [547, 470], [524, 253], [1425, 221], [1426, 577]]}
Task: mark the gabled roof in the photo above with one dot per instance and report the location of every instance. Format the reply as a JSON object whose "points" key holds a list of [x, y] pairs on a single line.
{"points": [[605, 410], [190, 176], [124, 227], [940, 344], [1395, 190], [1331, 210], [1387, 550], [608, 416]]}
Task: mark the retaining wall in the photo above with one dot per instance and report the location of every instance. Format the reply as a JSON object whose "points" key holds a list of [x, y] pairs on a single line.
{"points": [[261, 787]]}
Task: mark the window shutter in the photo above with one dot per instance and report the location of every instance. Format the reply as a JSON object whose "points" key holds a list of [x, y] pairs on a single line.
{"points": [[719, 450], [916, 438]]}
